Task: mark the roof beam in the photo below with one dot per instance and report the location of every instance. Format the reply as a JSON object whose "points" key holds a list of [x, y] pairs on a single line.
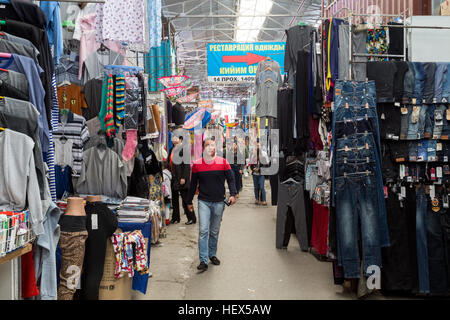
{"points": [[196, 16]]}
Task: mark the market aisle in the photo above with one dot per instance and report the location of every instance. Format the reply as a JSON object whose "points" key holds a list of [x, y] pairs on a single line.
{"points": [[252, 268]]}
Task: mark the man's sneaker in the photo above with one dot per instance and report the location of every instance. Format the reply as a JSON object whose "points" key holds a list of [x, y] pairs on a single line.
{"points": [[202, 266], [215, 261]]}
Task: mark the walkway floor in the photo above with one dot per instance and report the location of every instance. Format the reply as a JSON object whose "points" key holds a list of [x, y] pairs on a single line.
{"points": [[251, 268]]}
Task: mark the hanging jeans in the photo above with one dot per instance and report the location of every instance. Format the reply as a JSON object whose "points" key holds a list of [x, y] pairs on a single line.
{"points": [[421, 239], [290, 195], [355, 203], [210, 217], [437, 264], [258, 186]]}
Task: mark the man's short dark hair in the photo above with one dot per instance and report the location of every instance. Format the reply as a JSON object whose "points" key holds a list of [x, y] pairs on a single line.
{"points": [[206, 140]]}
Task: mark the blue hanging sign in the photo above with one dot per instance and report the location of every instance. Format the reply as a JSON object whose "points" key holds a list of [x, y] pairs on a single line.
{"points": [[237, 62]]}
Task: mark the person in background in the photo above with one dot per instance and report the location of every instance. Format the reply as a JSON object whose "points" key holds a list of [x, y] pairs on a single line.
{"points": [[258, 178], [237, 167], [180, 184], [210, 173], [167, 176]]}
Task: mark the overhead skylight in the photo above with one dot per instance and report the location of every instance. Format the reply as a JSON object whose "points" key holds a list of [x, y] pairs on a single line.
{"points": [[251, 8]]}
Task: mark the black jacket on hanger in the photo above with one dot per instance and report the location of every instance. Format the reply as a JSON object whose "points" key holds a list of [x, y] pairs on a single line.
{"points": [[178, 114]]}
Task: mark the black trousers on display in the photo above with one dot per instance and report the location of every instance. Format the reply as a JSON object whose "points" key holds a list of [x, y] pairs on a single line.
{"points": [[291, 196], [274, 188]]}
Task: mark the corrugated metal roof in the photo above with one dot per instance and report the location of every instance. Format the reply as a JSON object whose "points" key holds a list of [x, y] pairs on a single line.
{"points": [[194, 20]]}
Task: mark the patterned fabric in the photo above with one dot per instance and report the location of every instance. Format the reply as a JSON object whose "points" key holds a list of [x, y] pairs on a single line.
{"points": [[120, 20], [154, 22], [109, 118], [120, 99], [72, 246], [131, 254], [74, 129], [51, 151], [156, 189], [377, 43]]}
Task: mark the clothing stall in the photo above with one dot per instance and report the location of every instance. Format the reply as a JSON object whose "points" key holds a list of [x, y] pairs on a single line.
{"points": [[88, 141], [363, 173]]}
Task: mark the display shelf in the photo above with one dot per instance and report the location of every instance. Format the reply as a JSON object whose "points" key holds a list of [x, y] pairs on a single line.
{"points": [[16, 253]]}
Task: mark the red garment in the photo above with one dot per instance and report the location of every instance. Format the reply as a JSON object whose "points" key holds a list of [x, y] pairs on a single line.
{"points": [[319, 234], [314, 133], [29, 287]]}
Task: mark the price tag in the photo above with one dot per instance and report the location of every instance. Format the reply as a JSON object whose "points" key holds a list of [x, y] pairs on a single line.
{"points": [[445, 202], [414, 101], [434, 100], [448, 114], [439, 172], [404, 110], [432, 192], [439, 146], [433, 174], [383, 116], [403, 192], [397, 104], [94, 221], [402, 171]]}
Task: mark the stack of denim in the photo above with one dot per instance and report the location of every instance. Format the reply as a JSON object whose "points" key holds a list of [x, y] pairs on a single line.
{"points": [[357, 187]]}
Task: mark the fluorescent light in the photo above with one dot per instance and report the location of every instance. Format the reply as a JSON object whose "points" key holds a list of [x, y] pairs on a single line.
{"points": [[248, 8]]}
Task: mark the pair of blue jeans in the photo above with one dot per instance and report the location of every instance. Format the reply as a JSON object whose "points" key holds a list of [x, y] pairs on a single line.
{"points": [[446, 85], [258, 185], [209, 218], [421, 241], [356, 204], [360, 153], [354, 93], [419, 81]]}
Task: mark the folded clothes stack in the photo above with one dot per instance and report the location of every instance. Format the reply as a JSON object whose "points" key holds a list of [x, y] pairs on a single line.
{"points": [[133, 209]]}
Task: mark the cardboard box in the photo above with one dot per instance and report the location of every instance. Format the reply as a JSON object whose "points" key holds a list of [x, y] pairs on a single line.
{"points": [[110, 287]]}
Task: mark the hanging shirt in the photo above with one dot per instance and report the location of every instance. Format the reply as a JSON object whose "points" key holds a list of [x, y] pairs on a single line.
{"points": [[268, 81], [63, 153], [54, 27], [32, 71], [94, 64], [22, 116], [71, 97], [154, 22], [103, 173], [88, 44], [120, 20], [18, 180], [74, 127]]}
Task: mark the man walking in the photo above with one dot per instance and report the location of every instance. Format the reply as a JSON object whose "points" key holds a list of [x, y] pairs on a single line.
{"points": [[209, 173]]}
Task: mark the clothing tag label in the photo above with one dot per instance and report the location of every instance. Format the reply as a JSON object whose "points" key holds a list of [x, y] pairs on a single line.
{"points": [[439, 146], [444, 137], [94, 221], [404, 110], [448, 114], [439, 172], [447, 169], [445, 202], [397, 104], [445, 158], [395, 138], [434, 100], [383, 116], [2, 6], [402, 171], [338, 92], [433, 174], [346, 149], [403, 192], [386, 193], [432, 191], [414, 101]]}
